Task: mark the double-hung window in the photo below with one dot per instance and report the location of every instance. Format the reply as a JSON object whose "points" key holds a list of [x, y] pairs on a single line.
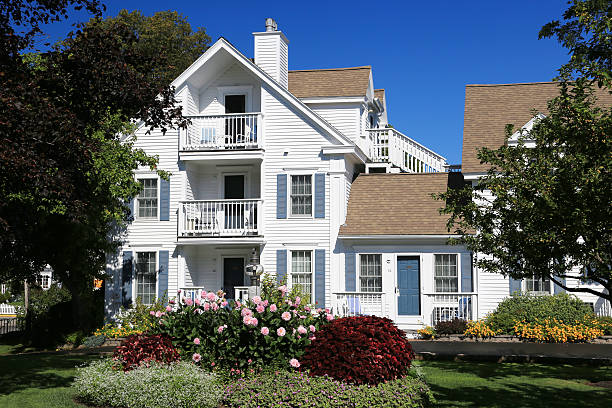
{"points": [[537, 285], [301, 195], [146, 276], [446, 278], [370, 273], [301, 272], [147, 199]]}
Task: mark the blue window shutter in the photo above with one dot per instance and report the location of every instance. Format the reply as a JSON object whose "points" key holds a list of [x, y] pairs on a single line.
{"points": [[281, 196], [162, 277], [319, 198], [350, 278], [131, 207], [559, 289], [126, 278], [515, 285], [281, 264], [164, 203], [319, 277], [466, 273]]}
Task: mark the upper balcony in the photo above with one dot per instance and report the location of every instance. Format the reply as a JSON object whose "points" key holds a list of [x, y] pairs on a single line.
{"points": [[234, 135]]}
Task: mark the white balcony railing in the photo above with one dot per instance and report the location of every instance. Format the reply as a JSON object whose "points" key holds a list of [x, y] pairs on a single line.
{"points": [[223, 132], [219, 218], [6, 309], [390, 146], [450, 306], [195, 292], [359, 303]]}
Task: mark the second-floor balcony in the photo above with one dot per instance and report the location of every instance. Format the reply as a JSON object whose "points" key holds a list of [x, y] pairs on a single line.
{"points": [[220, 218], [229, 132]]}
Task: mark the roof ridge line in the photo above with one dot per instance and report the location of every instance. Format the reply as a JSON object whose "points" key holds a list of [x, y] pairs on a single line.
{"points": [[516, 83], [330, 69]]}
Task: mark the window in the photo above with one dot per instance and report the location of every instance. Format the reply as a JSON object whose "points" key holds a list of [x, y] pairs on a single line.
{"points": [[538, 285], [445, 273], [147, 199], [146, 276], [370, 273], [301, 195], [44, 281], [301, 272]]}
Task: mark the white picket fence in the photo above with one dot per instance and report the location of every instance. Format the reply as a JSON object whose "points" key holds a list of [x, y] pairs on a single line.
{"points": [[7, 309]]}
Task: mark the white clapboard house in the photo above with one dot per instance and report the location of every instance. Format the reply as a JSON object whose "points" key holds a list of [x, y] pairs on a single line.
{"points": [[301, 168]]}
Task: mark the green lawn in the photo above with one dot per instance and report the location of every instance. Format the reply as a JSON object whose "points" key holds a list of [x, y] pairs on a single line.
{"points": [[515, 385], [43, 380]]}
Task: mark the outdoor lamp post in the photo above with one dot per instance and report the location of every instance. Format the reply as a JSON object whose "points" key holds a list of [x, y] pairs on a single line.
{"points": [[254, 269]]}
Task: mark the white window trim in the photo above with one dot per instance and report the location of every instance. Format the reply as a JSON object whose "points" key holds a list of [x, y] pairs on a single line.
{"points": [[135, 261], [247, 182], [142, 176], [551, 289], [312, 194], [246, 90], [382, 265], [433, 271], [312, 272]]}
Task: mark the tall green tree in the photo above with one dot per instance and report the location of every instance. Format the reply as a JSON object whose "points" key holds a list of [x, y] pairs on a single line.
{"points": [[544, 211], [66, 171]]}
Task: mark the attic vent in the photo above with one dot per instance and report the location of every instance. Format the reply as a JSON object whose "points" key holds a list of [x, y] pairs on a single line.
{"points": [[271, 24]]}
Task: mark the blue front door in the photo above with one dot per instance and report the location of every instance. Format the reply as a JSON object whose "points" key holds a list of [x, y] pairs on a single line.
{"points": [[408, 302]]}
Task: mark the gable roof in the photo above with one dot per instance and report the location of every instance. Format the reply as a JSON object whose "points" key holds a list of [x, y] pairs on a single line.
{"points": [[223, 44], [310, 83], [396, 204], [488, 108], [380, 94]]}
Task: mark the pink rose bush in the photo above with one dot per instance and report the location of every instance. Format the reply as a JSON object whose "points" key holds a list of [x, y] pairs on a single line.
{"points": [[219, 334]]}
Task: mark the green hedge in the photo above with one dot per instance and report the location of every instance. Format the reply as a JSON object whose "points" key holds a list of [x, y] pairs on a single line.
{"points": [[533, 308]]}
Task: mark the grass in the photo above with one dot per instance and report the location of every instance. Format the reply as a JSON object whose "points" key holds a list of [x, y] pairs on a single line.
{"points": [[38, 379], [516, 385]]}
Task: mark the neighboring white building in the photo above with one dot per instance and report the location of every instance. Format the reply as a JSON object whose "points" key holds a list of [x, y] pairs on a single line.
{"points": [[268, 164]]}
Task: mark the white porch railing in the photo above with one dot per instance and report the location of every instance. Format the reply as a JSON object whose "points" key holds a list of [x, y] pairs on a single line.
{"points": [[450, 306], [7, 309], [359, 303], [387, 145], [195, 292], [223, 132], [219, 218]]}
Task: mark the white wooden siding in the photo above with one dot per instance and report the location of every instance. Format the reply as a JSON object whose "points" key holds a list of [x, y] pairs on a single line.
{"points": [[344, 117]]}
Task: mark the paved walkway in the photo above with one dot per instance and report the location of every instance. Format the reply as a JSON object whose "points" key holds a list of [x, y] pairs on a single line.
{"points": [[528, 351]]}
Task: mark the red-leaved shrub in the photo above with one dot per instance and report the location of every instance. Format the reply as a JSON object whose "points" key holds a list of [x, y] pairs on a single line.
{"points": [[359, 350], [140, 349]]}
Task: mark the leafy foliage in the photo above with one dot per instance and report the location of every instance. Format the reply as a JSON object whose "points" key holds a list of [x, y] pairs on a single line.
{"points": [[241, 336], [479, 329], [140, 349], [360, 350], [291, 389], [605, 322], [532, 309], [554, 331], [94, 341], [455, 326], [181, 385]]}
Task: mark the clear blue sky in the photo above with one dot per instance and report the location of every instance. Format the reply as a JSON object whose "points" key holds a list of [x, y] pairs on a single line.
{"points": [[422, 53]]}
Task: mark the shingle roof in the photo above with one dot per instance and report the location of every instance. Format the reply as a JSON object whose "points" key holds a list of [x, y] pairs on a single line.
{"points": [[488, 108], [329, 82], [380, 94], [396, 204]]}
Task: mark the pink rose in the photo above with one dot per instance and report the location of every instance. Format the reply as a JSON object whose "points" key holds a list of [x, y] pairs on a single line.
{"points": [[158, 314], [249, 361], [203, 295], [329, 317], [294, 363], [238, 304], [152, 312], [302, 330], [254, 321], [196, 341], [168, 308], [273, 307], [260, 308], [196, 357], [283, 289], [312, 337], [265, 303], [326, 310], [211, 296], [215, 307], [171, 301], [178, 292], [297, 300], [286, 316], [207, 306], [246, 312], [302, 317], [197, 301], [224, 303], [306, 308], [246, 320], [280, 332], [257, 299], [265, 331], [312, 328], [188, 302], [220, 329]]}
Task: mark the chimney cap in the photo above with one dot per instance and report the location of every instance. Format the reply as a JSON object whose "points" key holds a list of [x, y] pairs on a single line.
{"points": [[271, 25]]}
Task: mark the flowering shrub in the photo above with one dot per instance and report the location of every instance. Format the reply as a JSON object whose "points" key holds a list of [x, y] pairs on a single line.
{"points": [[135, 320], [605, 324], [479, 328], [360, 350], [140, 349], [111, 331], [241, 336], [455, 326], [180, 384], [553, 331], [294, 389], [427, 333]]}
